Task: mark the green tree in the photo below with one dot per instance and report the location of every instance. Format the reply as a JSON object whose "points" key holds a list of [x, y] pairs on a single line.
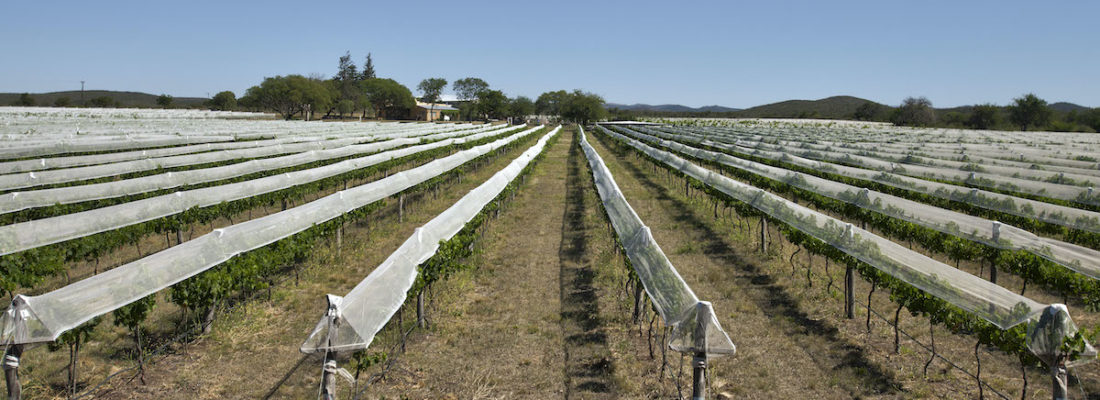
{"points": [[291, 95], [368, 69], [492, 104], [469, 88], [430, 90], [983, 116], [224, 101], [346, 83], [391, 99], [63, 101], [583, 108], [25, 100], [164, 101], [520, 108], [867, 111], [550, 103], [132, 316], [1029, 111], [914, 111]]}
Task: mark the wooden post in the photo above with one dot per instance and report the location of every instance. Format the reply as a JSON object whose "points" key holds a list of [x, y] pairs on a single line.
{"points": [[993, 263], [763, 234], [1059, 381], [699, 376], [401, 208], [11, 371], [849, 282], [420, 320]]}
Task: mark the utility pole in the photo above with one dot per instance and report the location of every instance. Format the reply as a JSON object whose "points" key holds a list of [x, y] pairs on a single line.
{"points": [[82, 93]]}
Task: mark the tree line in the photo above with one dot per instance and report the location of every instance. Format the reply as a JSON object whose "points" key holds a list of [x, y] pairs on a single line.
{"points": [[1027, 112]]}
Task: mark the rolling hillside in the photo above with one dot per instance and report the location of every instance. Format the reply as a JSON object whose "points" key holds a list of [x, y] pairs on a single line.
{"points": [[126, 99]]}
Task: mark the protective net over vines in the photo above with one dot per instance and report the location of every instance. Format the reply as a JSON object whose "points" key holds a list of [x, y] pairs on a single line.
{"points": [[694, 326], [44, 317], [356, 318]]}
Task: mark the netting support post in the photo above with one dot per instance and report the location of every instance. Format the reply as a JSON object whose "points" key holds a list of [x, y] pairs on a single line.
{"points": [[849, 295], [401, 208], [1059, 382], [699, 376], [11, 371], [993, 262], [420, 319], [763, 234]]}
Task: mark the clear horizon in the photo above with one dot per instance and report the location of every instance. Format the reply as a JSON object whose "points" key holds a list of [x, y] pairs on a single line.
{"points": [[695, 54]]}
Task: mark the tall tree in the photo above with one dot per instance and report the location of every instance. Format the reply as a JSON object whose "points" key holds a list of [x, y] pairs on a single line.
{"points": [[391, 99], [224, 101], [346, 70], [582, 107], [291, 95], [492, 104], [469, 88], [1029, 111], [867, 111], [368, 69], [914, 111], [983, 116], [520, 108], [164, 101], [430, 90], [550, 103]]}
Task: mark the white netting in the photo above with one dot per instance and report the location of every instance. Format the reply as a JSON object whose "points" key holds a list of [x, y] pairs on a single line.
{"points": [[1081, 259], [1080, 192], [44, 317], [694, 327], [40, 232], [1056, 214], [15, 201], [982, 298], [10, 167], [55, 176], [369, 306]]}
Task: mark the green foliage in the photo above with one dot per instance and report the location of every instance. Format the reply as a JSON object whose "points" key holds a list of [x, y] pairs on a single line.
{"points": [[983, 116], [550, 103], [368, 69], [392, 100], [73, 338], [132, 315], [492, 104], [867, 111], [469, 88], [1029, 111], [63, 101], [431, 88], [25, 100], [164, 101], [521, 107], [290, 95], [582, 107], [224, 101], [103, 102], [914, 111]]}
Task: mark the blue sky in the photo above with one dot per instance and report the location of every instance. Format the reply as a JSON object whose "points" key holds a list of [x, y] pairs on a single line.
{"points": [[736, 54]]}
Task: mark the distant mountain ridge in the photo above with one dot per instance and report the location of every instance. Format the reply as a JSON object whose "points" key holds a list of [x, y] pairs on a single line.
{"points": [[835, 107], [125, 99], [669, 108]]}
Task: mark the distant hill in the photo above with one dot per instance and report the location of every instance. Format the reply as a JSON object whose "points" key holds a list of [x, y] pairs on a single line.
{"points": [[125, 99], [676, 108], [829, 107], [1067, 107]]}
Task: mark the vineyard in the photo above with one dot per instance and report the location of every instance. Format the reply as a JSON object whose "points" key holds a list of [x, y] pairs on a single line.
{"points": [[194, 254]]}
